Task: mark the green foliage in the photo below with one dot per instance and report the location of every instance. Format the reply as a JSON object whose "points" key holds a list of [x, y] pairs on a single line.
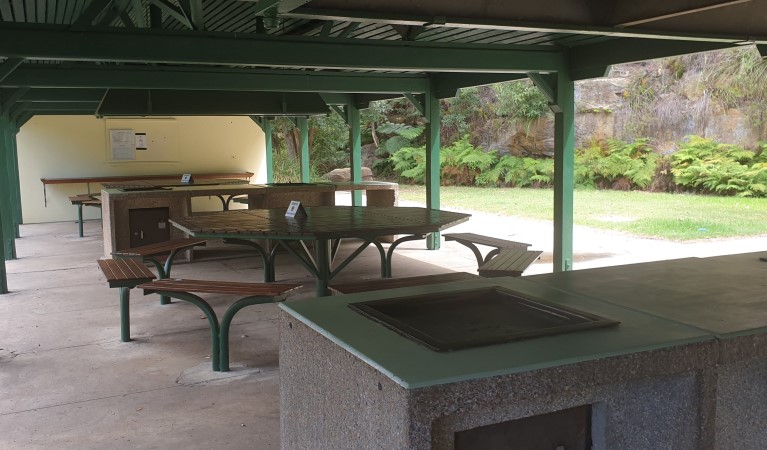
{"points": [[520, 101], [403, 136], [288, 170], [406, 131], [461, 163], [706, 166], [410, 162], [329, 143], [516, 171], [616, 164]]}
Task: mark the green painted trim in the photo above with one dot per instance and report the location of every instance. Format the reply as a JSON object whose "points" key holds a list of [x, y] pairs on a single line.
{"points": [[433, 117], [303, 130], [266, 126], [355, 150], [43, 42], [564, 168]]}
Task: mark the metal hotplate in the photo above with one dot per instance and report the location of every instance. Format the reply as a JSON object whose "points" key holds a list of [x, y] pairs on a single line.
{"points": [[456, 320]]}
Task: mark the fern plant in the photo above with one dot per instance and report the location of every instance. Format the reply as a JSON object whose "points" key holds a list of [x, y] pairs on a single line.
{"points": [[710, 167], [616, 164], [403, 136]]}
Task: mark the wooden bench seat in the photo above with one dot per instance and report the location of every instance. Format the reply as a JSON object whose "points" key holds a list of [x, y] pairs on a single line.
{"points": [[149, 253], [393, 283], [509, 262], [247, 293], [471, 240]]}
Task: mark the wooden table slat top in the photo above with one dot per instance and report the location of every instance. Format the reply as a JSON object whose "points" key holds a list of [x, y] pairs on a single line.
{"points": [[221, 287], [323, 222]]}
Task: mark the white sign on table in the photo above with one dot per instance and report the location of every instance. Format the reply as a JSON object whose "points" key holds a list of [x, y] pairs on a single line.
{"points": [[295, 210]]}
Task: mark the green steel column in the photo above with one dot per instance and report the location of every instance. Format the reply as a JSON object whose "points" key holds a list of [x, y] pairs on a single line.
{"points": [[564, 162], [303, 129], [355, 147], [267, 127], [15, 181], [431, 105], [8, 232], [3, 274]]}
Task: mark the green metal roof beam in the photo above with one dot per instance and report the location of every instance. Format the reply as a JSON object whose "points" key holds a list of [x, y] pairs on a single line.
{"points": [[447, 84], [62, 95], [265, 50], [588, 61], [169, 78], [85, 107]]}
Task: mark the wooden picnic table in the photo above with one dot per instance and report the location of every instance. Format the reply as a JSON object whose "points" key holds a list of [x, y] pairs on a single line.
{"points": [[323, 225]]}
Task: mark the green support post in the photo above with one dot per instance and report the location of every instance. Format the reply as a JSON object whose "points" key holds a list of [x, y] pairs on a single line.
{"points": [[3, 274], [355, 148], [266, 125], [303, 129], [431, 104], [564, 162], [15, 181], [8, 232]]}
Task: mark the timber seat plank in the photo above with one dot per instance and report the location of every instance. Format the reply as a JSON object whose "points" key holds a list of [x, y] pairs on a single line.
{"points": [[125, 272], [393, 283], [471, 240], [509, 262]]}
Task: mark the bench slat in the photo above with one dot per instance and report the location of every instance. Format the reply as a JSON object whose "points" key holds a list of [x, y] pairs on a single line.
{"points": [[124, 272], [473, 238], [509, 262], [393, 283], [220, 287], [160, 248]]}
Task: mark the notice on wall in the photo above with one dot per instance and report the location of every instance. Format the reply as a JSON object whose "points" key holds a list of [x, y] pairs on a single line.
{"points": [[121, 145], [141, 141]]}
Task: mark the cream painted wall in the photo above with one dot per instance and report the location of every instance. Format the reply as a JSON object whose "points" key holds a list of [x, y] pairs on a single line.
{"points": [[77, 146]]}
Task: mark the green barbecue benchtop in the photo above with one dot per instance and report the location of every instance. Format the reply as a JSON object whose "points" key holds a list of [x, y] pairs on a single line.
{"points": [[413, 365], [659, 304]]}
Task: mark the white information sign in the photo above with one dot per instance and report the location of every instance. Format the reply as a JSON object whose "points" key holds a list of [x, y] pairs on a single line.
{"points": [[121, 145], [295, 210], [141, 141]]}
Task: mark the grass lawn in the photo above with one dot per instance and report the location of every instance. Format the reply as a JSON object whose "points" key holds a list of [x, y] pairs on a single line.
{"points": [[667, 216]]}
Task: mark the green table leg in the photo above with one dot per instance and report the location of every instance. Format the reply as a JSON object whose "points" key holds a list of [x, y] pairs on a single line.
{"points": [[125, 314], [80, 218]]}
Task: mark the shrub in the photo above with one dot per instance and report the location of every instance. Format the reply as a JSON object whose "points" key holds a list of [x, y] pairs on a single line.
{"points": [[616, 165], [706, 166]]}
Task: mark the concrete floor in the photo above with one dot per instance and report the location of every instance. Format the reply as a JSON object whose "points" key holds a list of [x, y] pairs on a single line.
{"points": [[68, 382]]}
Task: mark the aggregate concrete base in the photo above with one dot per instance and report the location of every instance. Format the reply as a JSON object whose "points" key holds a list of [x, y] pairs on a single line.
{"points": [[331, 399]]}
